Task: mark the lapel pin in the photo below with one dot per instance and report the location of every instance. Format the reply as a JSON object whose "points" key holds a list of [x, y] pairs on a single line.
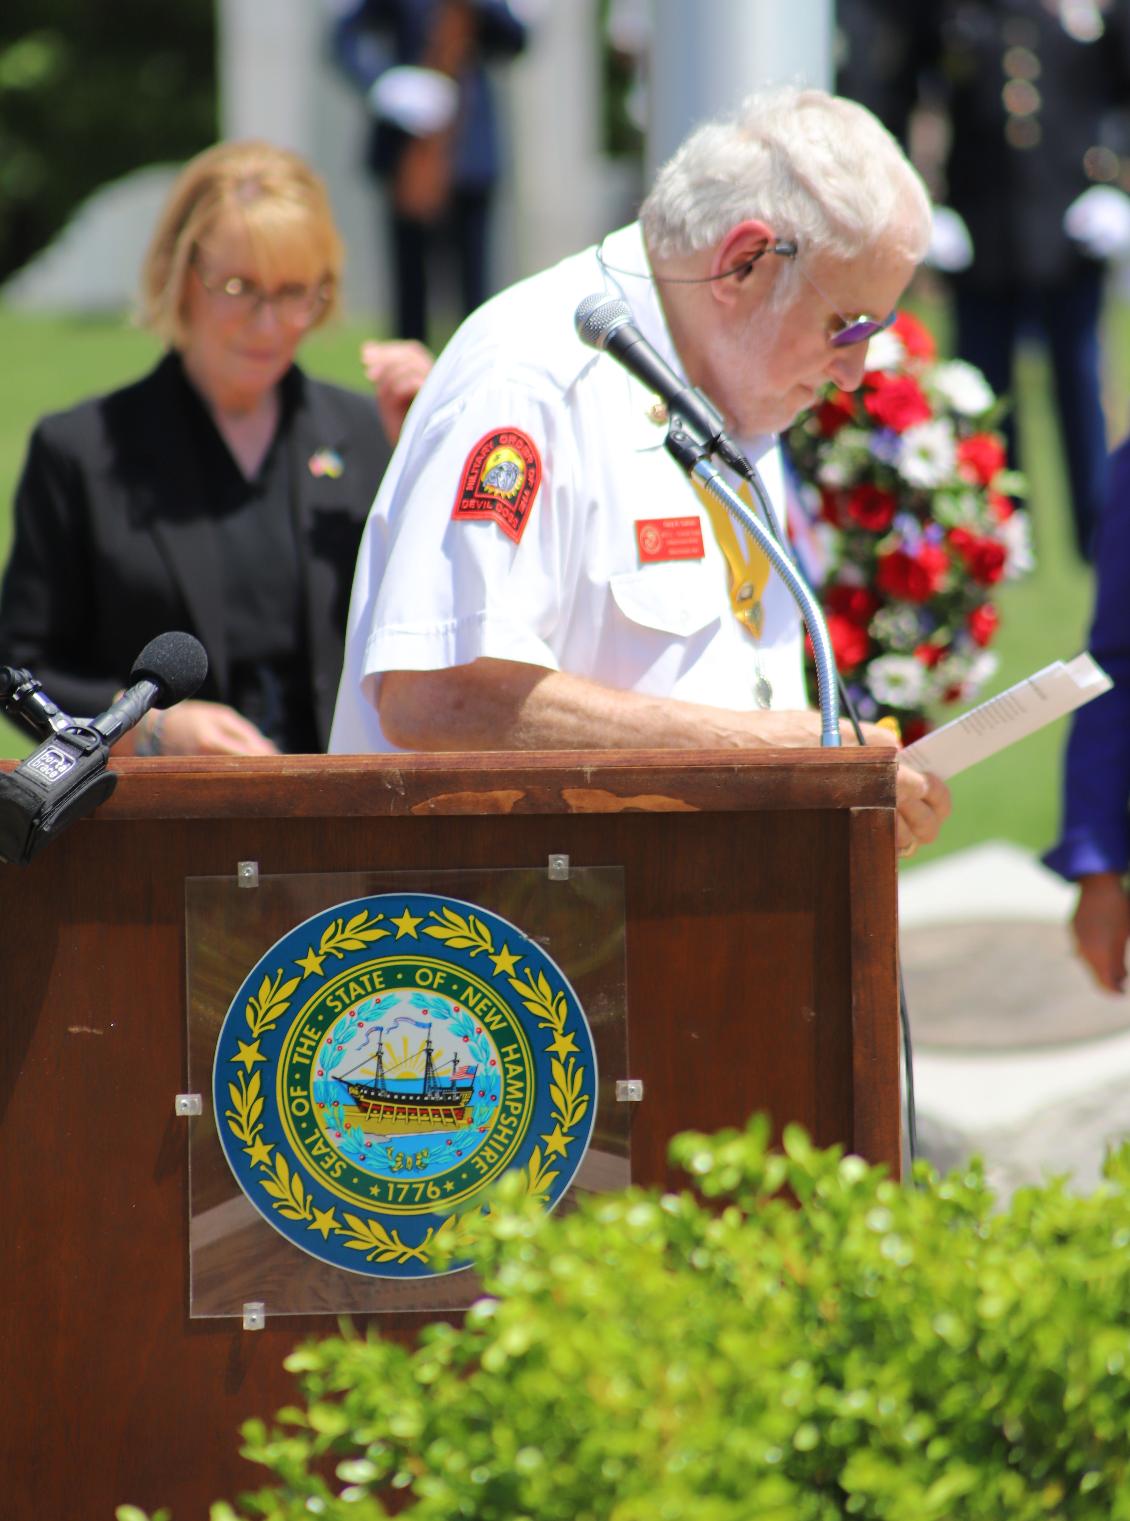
{"points": [[326, 462]]}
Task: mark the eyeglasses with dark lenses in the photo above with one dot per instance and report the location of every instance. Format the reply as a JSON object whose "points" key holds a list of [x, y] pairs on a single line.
{"points": [[859, 329], [298, 305], [851, 330]]}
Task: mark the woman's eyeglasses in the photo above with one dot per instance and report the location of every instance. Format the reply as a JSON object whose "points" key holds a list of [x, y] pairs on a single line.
{"points": [[851, 330], [297, 305]]}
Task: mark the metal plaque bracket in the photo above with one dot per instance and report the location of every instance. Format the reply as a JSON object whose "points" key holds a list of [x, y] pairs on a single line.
{"points": [[629, 1090], [254, 1315], [559, 868], [188, 1105], [247, 873]]}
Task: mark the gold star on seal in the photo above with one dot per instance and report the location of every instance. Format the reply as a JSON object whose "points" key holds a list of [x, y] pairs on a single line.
{"points": [[324, 1221], [249, 1054], [258, 1153], [505, 962], [406, 924], [311, 963], [562, 1044], [556, 1144]]}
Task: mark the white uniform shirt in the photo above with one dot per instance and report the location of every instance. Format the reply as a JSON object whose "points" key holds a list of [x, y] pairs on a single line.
{"points": [[572, 595]]}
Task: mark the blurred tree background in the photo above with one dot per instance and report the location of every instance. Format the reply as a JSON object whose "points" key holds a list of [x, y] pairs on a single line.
{"points": [[89, 90]]}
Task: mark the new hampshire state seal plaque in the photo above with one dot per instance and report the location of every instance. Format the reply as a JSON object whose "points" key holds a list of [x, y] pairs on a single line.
{"points": [[384, 1062]]}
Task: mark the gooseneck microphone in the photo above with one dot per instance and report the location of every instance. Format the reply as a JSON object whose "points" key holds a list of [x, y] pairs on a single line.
{"points": [[66, 777], [695, 432], [605, 322]]}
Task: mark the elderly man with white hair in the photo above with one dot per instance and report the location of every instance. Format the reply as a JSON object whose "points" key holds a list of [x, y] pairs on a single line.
{"points": [[537, 571]]}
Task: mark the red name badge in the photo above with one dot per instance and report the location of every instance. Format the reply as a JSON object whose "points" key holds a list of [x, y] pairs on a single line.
{"points": [[669, 539]]}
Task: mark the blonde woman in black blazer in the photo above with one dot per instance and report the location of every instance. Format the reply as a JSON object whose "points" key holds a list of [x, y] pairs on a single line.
{"points": [[224, 493]]}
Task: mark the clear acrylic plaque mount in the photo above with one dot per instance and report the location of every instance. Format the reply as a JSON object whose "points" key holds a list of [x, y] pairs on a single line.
{"points": [[238, 1261]]}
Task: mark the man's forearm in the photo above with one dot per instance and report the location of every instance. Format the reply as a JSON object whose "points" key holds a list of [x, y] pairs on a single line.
{"points": [[507, 705]]}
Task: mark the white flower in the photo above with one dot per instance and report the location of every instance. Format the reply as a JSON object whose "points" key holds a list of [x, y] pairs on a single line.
{"points": [[886, 351], [1015, 533], [850, 574], [983, 665], [928, 454], [967, 673], [899, 681], [835, 471], [963, 387], [898, 626]]}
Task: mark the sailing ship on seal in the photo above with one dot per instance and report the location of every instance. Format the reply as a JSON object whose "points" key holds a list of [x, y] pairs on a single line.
{"points": [[411, 1105]]}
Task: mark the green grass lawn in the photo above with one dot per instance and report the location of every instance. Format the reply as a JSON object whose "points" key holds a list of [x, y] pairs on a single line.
{"points": [[52, 362], [1015, 795]]}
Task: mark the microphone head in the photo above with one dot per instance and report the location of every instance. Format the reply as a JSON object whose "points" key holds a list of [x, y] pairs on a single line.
{"points": [[599, 315], [175, 663]]}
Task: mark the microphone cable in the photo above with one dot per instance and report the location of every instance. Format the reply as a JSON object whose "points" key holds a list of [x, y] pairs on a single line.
{"points": [[749, 473]]}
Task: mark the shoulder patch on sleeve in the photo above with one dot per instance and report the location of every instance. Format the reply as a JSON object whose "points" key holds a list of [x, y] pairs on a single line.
{"points": [[500, 481]]}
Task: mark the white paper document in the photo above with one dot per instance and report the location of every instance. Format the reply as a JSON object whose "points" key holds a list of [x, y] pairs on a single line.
{"points": [[1012, 714]]}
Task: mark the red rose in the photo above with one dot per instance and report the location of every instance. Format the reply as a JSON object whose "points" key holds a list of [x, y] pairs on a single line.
{"points": [[984, 559], [1002, 507], [983, 623], [913, 728], [831, 506], [961, 540], [858, 604], [836, 409], [980, 457], [871, 507], [931, 654], [895, 401], [912, 578], [916, 339], [850, 644]]}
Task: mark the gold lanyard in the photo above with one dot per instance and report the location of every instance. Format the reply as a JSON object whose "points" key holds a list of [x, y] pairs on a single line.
{"points": [[747, 561]]}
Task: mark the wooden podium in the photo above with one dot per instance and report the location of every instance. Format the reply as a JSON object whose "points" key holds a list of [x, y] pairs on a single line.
{"points": [[760, 904]]}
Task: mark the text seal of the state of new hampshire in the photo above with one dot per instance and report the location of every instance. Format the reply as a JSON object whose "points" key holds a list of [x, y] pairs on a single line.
{"points": [[384, 1062]]}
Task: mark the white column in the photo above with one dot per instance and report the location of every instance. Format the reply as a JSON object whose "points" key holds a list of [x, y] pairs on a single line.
{"points": [[707, 55], [276, 82], [554, 195], [266, 50]]}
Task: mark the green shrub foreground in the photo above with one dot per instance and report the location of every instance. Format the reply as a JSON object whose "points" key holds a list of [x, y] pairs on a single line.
{"points": [[882, 1351]]}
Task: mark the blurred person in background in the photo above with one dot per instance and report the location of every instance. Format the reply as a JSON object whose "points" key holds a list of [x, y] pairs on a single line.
{"points": [[396, 369], [224, 493], [1027, 98], [435, 137], [1094, 845]]}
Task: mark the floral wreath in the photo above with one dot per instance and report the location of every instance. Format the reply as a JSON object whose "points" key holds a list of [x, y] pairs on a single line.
{"points": [[906, 525]]}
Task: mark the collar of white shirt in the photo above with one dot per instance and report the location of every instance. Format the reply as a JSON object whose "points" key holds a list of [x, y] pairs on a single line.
{"points": [[627, 273]]}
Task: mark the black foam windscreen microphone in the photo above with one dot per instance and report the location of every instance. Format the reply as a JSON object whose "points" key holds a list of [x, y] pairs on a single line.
{"points": [[169, 669], [66, 777], [605, 322]]}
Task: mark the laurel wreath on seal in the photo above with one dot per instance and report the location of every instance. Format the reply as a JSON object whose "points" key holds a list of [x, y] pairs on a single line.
{"points": [[284, 1184], [339, 937], [469, 934], [266, 1008]]}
